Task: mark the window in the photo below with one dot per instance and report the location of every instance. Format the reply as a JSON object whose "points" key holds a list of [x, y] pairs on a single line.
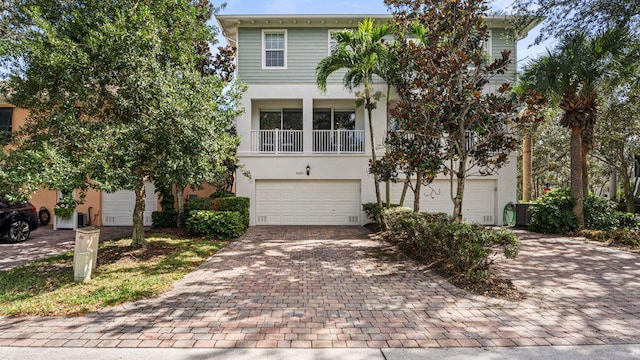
{"points": [[5, 124], [274, 43], [285, 119], [487, 44], [328, 119]]}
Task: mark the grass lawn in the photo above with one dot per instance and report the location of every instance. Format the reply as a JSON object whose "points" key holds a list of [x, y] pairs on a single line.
{"points": [[123, 275]]}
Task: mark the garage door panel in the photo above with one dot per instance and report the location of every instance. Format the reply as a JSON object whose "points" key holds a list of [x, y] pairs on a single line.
{"points": [[117, 207], [307, 202], [478, 205]]}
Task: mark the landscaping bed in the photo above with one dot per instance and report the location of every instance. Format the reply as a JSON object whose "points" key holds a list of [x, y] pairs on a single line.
{"points": [[124, 274], [461, 253], [624, 239], [496, 286]]}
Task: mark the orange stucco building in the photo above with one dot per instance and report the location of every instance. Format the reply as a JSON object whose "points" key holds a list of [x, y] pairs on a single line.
{"points": [[96, 202]]}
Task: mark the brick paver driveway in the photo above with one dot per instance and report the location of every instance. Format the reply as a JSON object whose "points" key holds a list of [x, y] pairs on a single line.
{"points": [[332, 287], [45, 242]]}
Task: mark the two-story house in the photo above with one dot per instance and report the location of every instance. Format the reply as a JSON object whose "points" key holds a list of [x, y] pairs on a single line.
{"points": [[308, 151]]}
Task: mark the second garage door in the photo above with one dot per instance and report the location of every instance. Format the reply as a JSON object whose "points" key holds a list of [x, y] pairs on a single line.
{"points": [[308, 202], [478, 204], [117, 207]]}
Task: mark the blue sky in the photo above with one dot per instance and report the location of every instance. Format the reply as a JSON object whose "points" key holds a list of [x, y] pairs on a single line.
{"points": [[359, 7]]}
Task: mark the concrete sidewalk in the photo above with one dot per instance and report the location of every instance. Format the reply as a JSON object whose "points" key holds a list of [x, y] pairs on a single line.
{"points": [[619, 352]]}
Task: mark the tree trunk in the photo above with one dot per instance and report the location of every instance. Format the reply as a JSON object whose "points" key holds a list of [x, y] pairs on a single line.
{"points": [[585, 172], [457, 200], [181, 215], [613, 186], [416, 192], [369, 107], [138, 218], [405, 187], [526, 166], [576, 175], [387, 187], [629, 197]]}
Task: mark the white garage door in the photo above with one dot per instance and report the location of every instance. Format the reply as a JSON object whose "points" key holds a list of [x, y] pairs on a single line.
{"points": [[117, 207], [308, 202], [478, 204]]}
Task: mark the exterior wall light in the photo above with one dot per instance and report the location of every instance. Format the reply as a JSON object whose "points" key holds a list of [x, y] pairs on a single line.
{"points": [[308, 170]]}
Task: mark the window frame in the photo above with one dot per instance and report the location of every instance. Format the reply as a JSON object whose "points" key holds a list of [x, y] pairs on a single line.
{"points": [[281, 111], [332, 119], [488, 44], [6, 131], [264, 49]]}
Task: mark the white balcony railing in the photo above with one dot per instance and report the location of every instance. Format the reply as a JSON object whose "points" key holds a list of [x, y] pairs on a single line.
{"points": [[276, 141], [338, 141], [291, 141]]}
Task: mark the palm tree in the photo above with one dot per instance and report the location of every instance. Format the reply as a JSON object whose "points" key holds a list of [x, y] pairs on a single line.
{"points": [[359, 52], [569, 75]]}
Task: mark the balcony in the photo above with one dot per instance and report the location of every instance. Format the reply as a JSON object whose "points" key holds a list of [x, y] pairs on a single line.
{"points": [[338, 141], [276, 141], [291, 141]]}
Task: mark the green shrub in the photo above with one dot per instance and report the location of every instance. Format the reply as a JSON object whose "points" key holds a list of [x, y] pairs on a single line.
{"points": [[238, 204], [599, 213], [221, 194], [465, 249], [554, 213], [215, 224], [374, 212], [164, 219], [199, 203], [627, 220]]}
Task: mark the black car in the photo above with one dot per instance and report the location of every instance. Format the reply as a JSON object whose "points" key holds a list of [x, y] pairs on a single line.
{"points": [[17, 220]]}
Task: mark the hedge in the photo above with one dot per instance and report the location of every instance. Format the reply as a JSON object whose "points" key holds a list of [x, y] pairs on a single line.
{"points": [[200, 203], [164, 219], [554, 214], [233, 203], [215, 224]]}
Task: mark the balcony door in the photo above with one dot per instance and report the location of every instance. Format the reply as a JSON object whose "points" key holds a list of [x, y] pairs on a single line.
{"points": [[281, 130], [334, 131]]}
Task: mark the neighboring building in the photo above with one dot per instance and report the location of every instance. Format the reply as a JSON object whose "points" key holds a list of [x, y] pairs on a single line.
{"points": [[308, 152], [99, 208]]}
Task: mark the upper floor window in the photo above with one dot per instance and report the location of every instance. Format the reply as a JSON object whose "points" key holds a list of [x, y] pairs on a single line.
{"points": [[5, 124], [330, 119], [487, 44], [283, 119], [274, 44]]}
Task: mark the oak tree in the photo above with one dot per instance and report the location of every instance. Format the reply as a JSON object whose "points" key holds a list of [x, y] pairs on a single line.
{"points": [[114, 94]]}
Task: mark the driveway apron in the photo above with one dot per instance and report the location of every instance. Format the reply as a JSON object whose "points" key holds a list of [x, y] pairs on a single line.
{"points": [[319, 287]]}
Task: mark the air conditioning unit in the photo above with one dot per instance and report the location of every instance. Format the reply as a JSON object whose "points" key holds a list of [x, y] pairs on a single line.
{"points": [[82, 220], [523, 214]]}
